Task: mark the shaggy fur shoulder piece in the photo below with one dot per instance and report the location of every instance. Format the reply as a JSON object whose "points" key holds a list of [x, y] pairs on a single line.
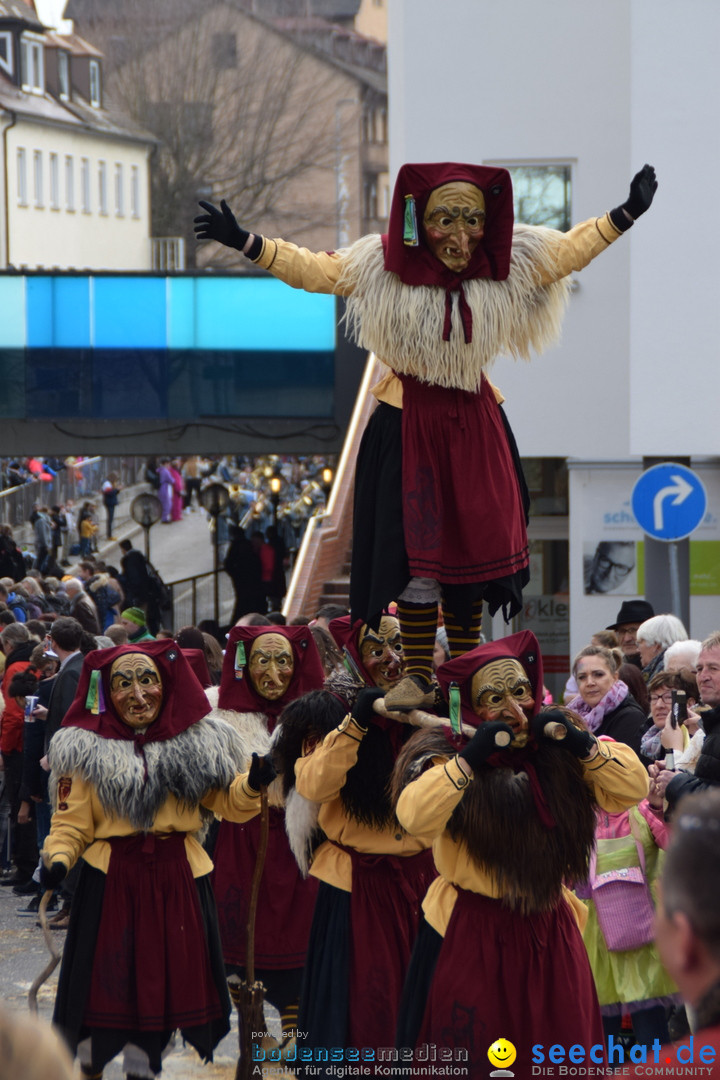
{"points": [[301, 825], [497, 821], [205, 757], [251, 729], [419, 753], [403, 324]]}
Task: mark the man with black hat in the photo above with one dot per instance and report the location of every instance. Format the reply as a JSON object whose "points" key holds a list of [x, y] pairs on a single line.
{"points": [[631, 614]]}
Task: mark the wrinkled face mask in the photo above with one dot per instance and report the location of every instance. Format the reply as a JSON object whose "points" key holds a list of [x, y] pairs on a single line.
{"points": [[271, 665], [454, 223], [136, 689], [381, 652], [501, 691]]}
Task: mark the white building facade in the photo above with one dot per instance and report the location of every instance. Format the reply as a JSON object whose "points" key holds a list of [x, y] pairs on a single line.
{"points": [[594, 89], [75, 178]]}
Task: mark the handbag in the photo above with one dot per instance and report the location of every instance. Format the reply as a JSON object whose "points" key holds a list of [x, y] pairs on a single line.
{"points": [[622, 897]]}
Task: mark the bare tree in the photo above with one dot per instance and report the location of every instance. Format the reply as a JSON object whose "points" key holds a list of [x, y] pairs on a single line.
{"points": [[240, 112]]}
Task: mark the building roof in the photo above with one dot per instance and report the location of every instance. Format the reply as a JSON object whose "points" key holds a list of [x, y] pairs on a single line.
{"points": [[78, 114], [19, 11], [72, 42]]}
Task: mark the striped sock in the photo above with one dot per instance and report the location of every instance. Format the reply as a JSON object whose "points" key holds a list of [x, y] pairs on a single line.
{"points": [[462, 639], [418, 626], [289, 1018]]}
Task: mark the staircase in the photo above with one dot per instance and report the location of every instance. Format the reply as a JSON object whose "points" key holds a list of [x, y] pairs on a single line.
{"points": [[322, 568], [337, 590]]}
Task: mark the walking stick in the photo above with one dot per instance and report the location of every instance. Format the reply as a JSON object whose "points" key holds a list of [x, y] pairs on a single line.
{"points": [[54, 953], [248, 994]]}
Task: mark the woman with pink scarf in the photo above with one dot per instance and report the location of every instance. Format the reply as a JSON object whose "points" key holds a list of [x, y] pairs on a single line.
{"points": [[604, 702]]}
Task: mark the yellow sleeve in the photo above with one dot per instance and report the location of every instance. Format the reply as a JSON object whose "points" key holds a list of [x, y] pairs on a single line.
{"points": [[239, 803], [616, 776], [321, 775], [315, 272], [579, 246], [72, 828], [425, 805]]}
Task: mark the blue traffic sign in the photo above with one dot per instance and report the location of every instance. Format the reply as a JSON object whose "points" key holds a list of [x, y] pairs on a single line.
{"points": [[669, 501]]}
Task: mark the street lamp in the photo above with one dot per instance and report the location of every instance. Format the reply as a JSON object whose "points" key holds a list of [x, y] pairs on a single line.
{"points": [[146, 509], [275, 485], [327, 482], [215, 499]]}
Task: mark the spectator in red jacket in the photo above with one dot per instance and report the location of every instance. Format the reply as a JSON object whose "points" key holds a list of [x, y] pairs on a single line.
{"points": [[17, 645]]}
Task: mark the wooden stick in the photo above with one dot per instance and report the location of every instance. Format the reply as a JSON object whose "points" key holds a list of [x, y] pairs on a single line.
{"points": [[54, 953], [420, 718]]}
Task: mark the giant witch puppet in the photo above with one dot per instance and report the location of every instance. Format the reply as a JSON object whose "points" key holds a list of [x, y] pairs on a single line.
{"points": [[440, 502]]}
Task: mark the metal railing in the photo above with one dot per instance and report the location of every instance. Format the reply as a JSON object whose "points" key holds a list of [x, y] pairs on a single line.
{"points": [[193, 600], [78, 481], [168, 253]]}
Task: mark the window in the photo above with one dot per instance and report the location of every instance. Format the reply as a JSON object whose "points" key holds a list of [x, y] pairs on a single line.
{"points": [[224, 51], [371, 201], [22, 189], [542, 194], [95, 83], [63, 61], [54, 182], [119, 191], [85, 184], [38, 178], [69, 183], [135, 191], [31, 65], [102, 188], [6, 52]]}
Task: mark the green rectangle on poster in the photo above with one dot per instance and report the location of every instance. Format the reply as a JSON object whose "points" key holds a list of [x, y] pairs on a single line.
{"points": [[704, 567]]}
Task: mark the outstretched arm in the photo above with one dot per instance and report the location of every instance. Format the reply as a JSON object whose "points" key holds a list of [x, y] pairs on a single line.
{"points": [[300, 268], [578, 247]]}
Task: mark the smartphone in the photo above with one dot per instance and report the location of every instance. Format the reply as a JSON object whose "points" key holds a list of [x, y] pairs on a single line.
{"points": [[678, 711]]}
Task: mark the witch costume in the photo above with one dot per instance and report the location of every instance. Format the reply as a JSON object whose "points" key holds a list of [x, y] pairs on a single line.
{"points": [[499, 953], [142, 956], [440, 501], [372, 875], [287, 898]]}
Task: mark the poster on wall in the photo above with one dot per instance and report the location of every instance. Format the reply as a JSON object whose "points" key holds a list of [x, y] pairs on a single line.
{"points": [[610, 567]]}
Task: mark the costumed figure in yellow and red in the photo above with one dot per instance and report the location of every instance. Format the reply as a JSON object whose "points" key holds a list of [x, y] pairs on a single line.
{"points": [[511, 812], [440, 501], [372, 874], [138, 769], [265, 668]]}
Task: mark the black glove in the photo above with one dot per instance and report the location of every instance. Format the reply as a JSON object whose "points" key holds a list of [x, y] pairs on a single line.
{"points": [[363, 711], [220, 225], [642, 191], [262, 772], [483, 744], [51, 876], [578, 742]]}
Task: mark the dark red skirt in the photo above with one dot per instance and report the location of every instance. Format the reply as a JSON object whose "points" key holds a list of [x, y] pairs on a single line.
{"points": [[499, 974], [151, 970], [385, 913], [285, 903], [169, 902], [462, 505]]}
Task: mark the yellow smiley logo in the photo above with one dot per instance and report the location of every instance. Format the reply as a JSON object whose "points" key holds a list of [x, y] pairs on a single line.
{"points": [[502, 1053]]}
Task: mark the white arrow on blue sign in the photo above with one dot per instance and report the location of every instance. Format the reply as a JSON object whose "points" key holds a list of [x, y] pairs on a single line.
{"points": [[669, 501]]}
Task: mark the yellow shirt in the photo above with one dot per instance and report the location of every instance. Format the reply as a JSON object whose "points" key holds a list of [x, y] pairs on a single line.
{"points": [[320, 777], [84, 828], [615, 776]]}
